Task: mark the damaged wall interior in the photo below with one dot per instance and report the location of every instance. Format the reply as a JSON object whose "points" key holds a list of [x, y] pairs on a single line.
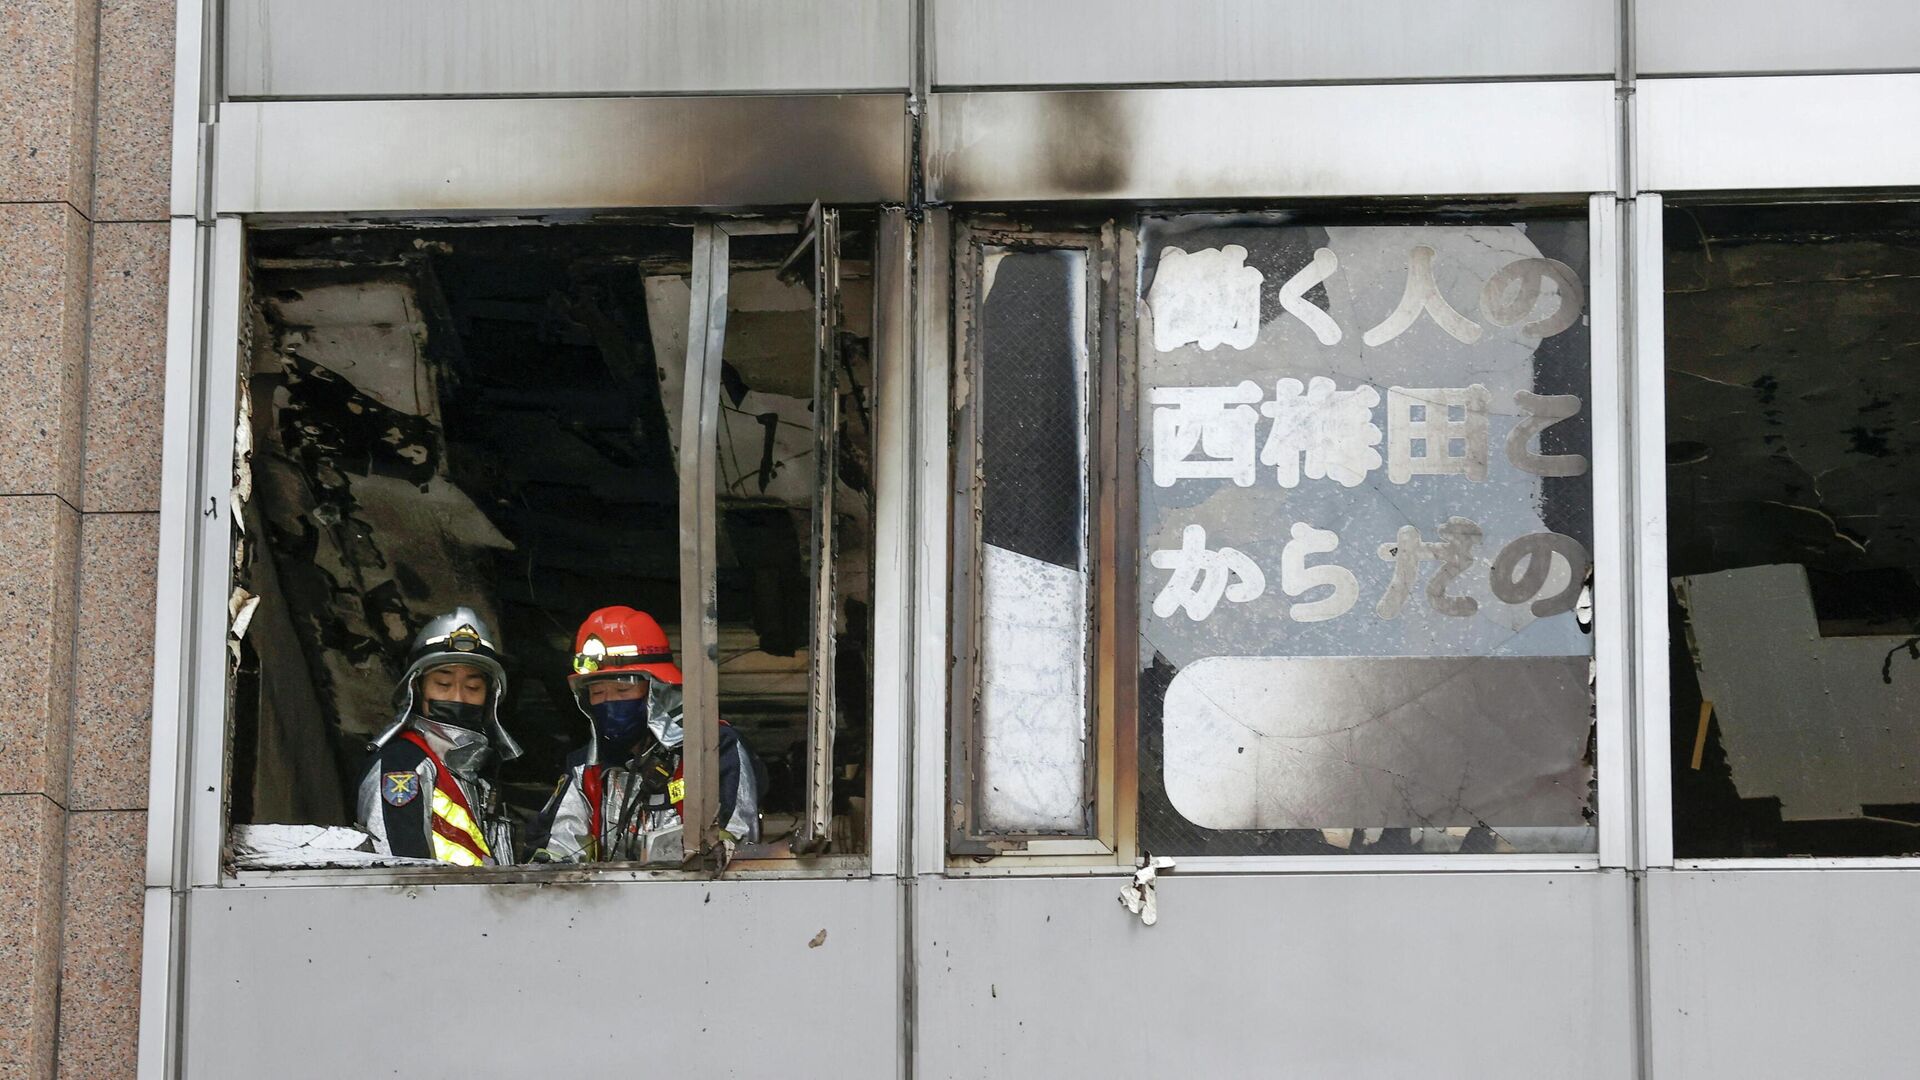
{"points": [[1792, 335], [491, 416]]}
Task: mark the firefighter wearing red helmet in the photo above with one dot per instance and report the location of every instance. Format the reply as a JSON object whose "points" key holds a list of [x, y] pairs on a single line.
{"points": [[620, 799]]}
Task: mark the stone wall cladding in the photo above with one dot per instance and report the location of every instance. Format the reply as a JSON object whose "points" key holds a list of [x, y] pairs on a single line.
{"points": [[85, 156]]}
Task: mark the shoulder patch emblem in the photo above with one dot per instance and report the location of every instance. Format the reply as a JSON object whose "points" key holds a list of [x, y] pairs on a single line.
{"points": [[400, 788]]}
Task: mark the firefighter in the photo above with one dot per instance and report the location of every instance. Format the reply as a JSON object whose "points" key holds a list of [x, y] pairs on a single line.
{"points": [[620, 799], [425, 793]]}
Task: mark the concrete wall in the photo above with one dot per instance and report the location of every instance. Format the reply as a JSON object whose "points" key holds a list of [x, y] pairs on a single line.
{"points": [[85, 93]]}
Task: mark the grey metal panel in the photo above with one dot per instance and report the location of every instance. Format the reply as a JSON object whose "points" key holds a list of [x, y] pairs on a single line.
{"points": [[509, 980], [980, 43], [1777, 132], [559, 153], [1729, 36], [1258, 142], [1443, 975], [465, 48], [1782, 972]]}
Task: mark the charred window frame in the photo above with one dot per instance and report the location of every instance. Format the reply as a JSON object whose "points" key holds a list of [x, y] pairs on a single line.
{"points": [[1052, 339], [815, 261], [1603, 745], [222, 481]]}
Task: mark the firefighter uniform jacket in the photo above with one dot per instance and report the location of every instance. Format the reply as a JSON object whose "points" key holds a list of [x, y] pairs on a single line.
{"points": [[631, 812], [417, 807]]}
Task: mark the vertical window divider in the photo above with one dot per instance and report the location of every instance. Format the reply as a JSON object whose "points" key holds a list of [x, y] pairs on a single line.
{"points": [[823, 232], [1647, 398], [699, 613]]}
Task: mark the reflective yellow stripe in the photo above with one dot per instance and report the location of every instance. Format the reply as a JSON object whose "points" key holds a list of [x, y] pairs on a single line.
{"points": [[451, 812], [447, 851], [677, 791]]}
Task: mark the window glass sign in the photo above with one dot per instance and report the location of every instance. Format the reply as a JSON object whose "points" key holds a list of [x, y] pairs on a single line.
{"points": [[1366, 536]]}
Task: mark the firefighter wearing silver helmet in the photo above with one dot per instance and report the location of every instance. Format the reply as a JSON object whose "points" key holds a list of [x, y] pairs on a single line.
{"points": [[426, 792]]}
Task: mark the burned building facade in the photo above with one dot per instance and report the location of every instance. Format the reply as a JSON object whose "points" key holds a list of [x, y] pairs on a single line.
{"points": [[1348, 539]]}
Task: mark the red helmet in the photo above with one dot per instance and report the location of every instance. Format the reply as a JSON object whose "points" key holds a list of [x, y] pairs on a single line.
{"points": [[622, 641]]}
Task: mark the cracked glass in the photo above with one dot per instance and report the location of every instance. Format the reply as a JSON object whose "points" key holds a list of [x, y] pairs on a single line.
{"points": [[1365, 536]]}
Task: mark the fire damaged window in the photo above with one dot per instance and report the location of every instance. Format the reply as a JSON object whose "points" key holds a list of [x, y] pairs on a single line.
{"points": [[491, 424], [1026, 737], [1365, 536], [1792, 421]]}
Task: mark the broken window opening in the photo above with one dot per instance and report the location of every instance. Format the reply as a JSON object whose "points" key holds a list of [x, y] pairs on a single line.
{"points": [[490, 417], [1793, 528]]}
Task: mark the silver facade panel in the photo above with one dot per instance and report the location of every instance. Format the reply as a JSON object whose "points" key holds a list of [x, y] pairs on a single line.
{"points": [[1735, 36], [1317, 975], [1822, 132], [559, 153], [1274, 142], [1781, 972], [470, 48], [982, 43], [509, 980]]}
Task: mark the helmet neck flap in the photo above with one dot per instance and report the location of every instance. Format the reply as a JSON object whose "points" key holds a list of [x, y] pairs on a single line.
{"points": [[459, 637], [665, 706]]}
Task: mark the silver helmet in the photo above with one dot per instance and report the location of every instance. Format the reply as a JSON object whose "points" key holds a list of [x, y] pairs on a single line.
{"points": [[460, 636]]}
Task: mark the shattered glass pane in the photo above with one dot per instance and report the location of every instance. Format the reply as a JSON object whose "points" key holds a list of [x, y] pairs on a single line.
{"points": [[1366, 534], [1031, 762], [1794, 529]]}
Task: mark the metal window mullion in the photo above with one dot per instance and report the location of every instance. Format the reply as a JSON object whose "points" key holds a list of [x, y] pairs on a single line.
{"points": [[1612, 619], [889, 823], [699, 462], [966, 490], [212, 513], [1123, 722], [821, 714], [1648, 390], [931, 369]]}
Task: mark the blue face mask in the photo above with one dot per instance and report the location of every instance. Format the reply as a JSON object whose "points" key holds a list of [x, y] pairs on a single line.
{"points": [[620, 722]]}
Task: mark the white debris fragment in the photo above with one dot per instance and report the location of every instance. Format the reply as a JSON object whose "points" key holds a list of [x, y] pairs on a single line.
{"points": [[265, 847], [1211, 297], [240, 608], [1137, 895]]}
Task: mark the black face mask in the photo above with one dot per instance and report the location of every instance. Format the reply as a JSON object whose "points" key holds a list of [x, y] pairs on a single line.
{"points": [[457, 714]]}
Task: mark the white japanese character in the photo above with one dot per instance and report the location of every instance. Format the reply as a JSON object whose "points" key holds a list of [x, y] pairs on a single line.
{"points": [[1333, 429], [1199, 580], [1524, 567], [1543, 411], [1436, 432], [1293, 296], [1298, 579], [1422, 294], [1211, 297], [1454, 550], [1219, 421], [1511, 292]]}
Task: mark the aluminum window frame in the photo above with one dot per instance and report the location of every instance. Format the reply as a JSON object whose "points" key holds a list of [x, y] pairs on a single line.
{"points": [[1106, 519], [192, 721], [1616, 800], [1651, 639]]}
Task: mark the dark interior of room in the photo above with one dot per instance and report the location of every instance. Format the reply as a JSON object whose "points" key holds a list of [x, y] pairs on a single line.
{"points": [[489, 416], [1793, 418]]}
